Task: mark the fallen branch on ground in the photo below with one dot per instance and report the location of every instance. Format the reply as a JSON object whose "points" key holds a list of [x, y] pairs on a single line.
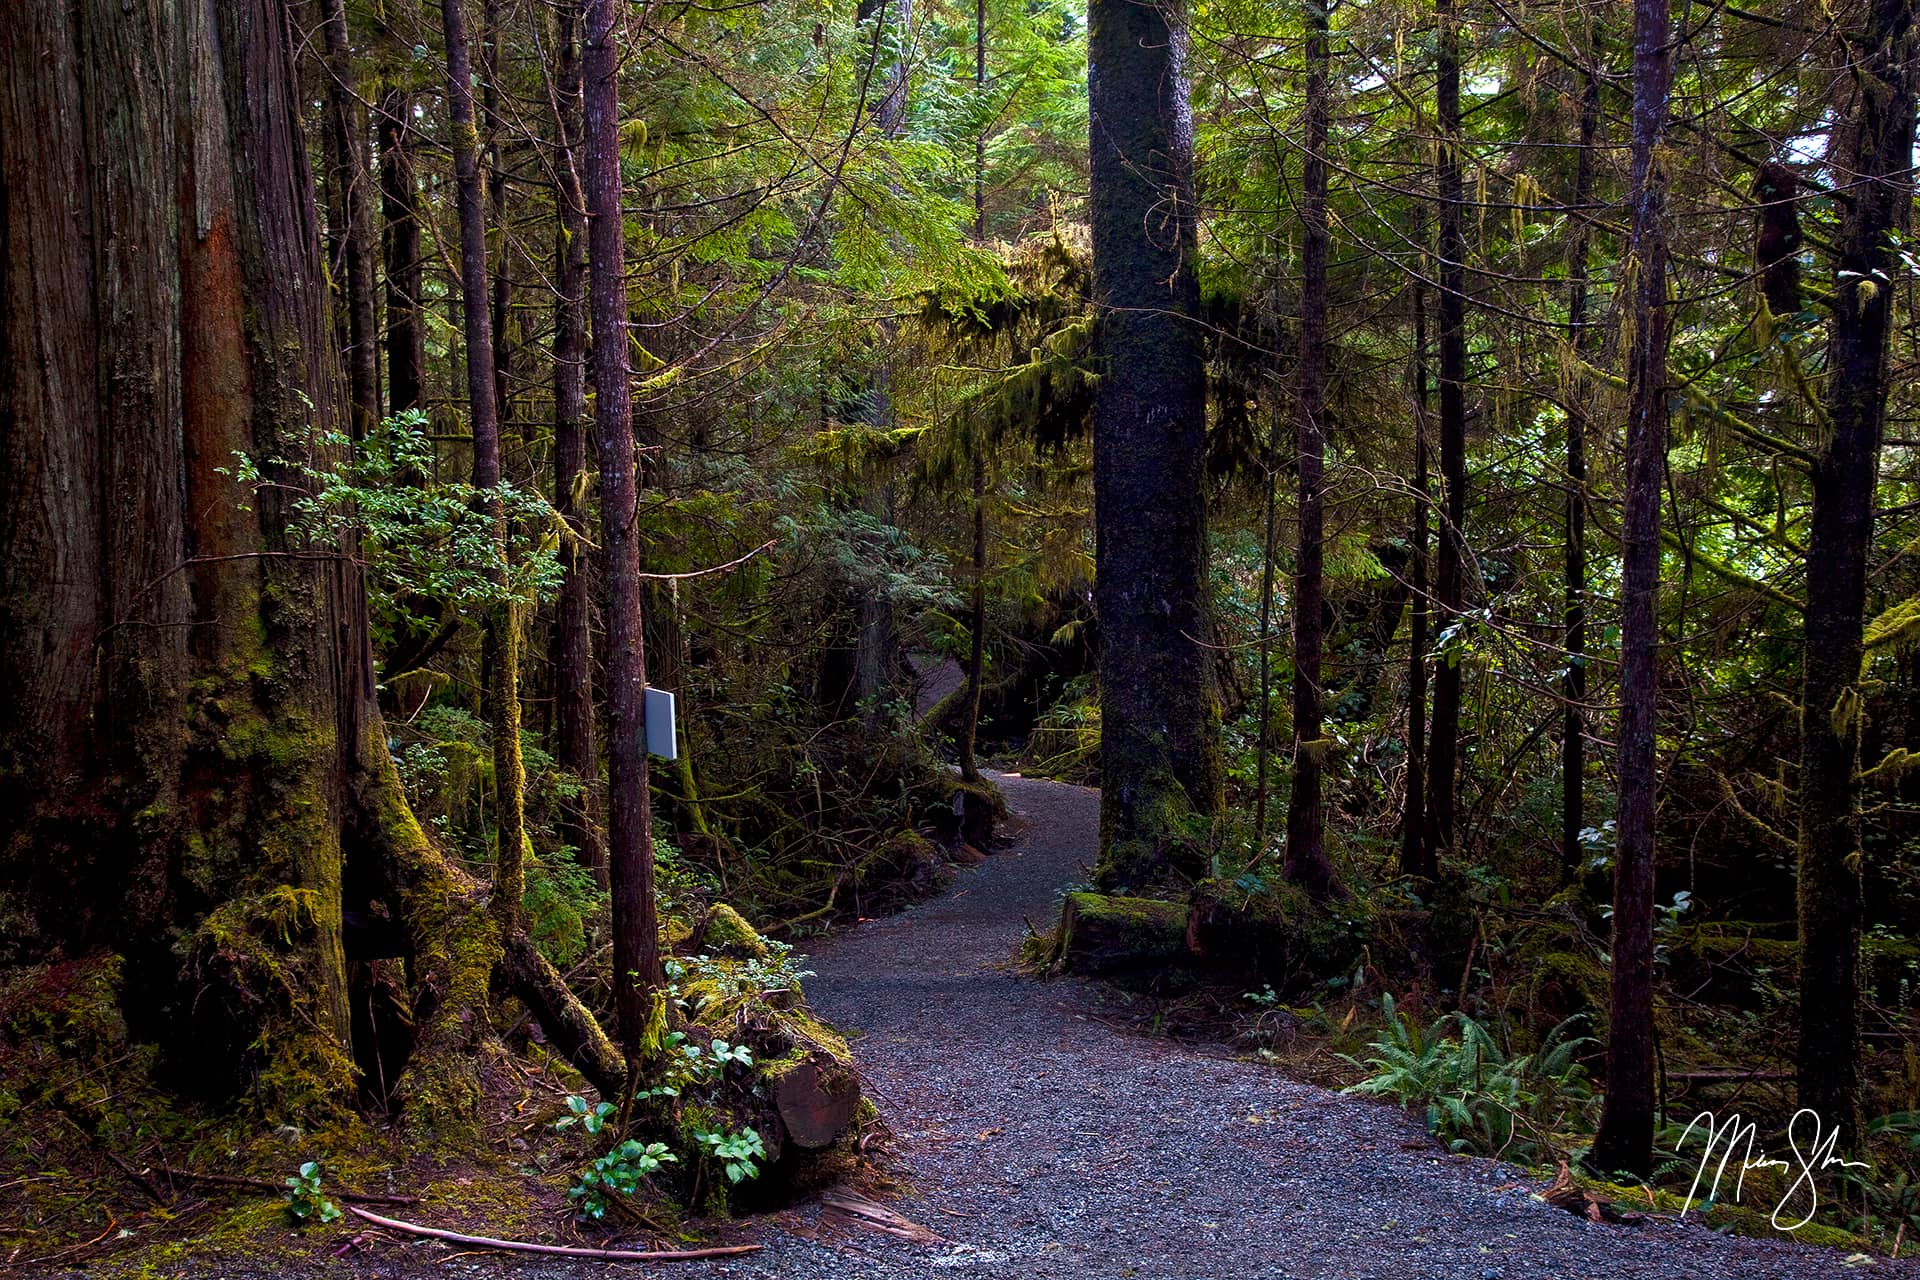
{"points": [[561, 1250]]}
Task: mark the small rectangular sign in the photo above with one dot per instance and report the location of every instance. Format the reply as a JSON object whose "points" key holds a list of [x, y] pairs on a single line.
{"points": [[661, 738]]}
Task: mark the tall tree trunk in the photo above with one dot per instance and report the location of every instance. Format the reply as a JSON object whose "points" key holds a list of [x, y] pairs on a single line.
{"points": [[399, 211], [193, 770], [1263, 637], [636, 942], [501, 297], [1573, 726], [1159, 715], [500, 651], [1625, 1138], [353, 185], [1416, 855], [572, 655], [1876, 156], [1306, 812], [1443, 745]]}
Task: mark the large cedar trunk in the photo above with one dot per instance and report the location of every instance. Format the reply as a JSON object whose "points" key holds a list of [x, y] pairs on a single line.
{"points": [[1159, 750], [1876, 151], [1625, 1137], [193, 772]]}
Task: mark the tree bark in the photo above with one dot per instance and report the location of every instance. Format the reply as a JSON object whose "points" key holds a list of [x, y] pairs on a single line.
{"points": [[353, 194], [977, 654], [1306, 862], [1625, 1137], [572, 655], [1443, 745], [1876, 152], [1573, 725], [636, 942], [1159, 750], [1415, 852], [500, 650], [193, 769], [406, 337]]}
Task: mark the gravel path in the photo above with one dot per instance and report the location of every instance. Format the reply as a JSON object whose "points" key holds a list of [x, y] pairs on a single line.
{"points": [[1041, 1142]]}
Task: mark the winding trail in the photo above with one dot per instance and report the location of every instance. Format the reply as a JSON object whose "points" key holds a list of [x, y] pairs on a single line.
{"points": [[1040, 1142]]}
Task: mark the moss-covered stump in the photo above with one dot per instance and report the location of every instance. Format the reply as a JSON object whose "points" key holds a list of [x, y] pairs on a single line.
{"points": [[978, 807], [905, 868], [1107, 935], [725, 932], [1276, 933]]}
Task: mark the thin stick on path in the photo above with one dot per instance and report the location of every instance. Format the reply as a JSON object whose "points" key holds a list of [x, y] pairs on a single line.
{"points": [[560, 1250]]}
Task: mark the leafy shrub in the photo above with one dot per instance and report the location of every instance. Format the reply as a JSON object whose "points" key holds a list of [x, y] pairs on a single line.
{"points": [[739, 1153], [616, 1174], [305, 1203], [1478, 1097]]}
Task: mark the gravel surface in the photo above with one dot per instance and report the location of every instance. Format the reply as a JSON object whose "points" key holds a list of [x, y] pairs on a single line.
{"points": [[1041, 1142], [1044, 1143]]}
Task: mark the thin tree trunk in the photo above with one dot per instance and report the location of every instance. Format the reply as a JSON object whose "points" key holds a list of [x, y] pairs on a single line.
{"points": [[1306, 862], [496, 175], [500, 650], [572, 655], [1573, 727], [1443, 746], [1625, 1137], [636, 943], [977, 655], [1415, 852], [406, 336], [1877, 159], [353, 189], [1263, 731]]}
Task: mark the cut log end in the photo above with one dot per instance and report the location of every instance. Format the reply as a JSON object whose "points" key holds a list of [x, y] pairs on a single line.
{"points": [[816, 1097]]}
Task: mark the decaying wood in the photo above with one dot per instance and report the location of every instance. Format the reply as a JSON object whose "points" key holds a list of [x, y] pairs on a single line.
{"points": [[555, 1250], [846, 1206]]}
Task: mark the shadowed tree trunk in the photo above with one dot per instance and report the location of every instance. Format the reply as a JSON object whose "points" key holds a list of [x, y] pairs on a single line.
{"points": [[1573, 725], [1160, 761], [1876, 150], [353, 195], [572, 655], [1415, 853], [1625, 1137], [1306, 812], [500, 651], [1443, 746], [636, 942], [193, 771], [399, 211], [977, 652]]}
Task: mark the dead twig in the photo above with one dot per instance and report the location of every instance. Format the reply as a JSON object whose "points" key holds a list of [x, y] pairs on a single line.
{"points": [[558, 1250]]}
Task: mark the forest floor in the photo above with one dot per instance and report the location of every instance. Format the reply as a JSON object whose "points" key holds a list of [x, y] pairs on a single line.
{"points": [[1031, 1133], [1035, 1139]]}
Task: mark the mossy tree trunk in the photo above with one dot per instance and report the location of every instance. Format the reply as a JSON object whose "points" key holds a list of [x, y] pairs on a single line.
{"points": [[1625, 1137], [1160, 761], [193, 770], [1877, 152]]}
